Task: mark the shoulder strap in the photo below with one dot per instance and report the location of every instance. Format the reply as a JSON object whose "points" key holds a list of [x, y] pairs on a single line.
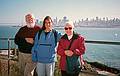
{"points": [[55, 35], [70, 44], [75, 36], [39, 33]]}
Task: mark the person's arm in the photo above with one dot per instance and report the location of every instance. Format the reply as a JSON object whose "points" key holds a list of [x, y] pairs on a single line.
{"points": [[19, 40], [29, 40], [60, 48], [22, 41], [59, 35], [34, 52], [82, 60], [81, 45]]}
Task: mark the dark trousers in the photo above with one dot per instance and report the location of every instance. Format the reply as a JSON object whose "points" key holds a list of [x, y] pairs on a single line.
{"points": [[64, 73]]}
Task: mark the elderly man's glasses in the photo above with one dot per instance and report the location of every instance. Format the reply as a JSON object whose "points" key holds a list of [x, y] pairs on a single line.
{"points": [[70, 28]]}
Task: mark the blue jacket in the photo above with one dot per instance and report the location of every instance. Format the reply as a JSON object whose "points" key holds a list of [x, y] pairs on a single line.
{"points": [[43, 50]]}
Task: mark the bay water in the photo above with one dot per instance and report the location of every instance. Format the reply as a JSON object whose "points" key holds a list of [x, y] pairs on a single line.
{"points": [[103, 53]]}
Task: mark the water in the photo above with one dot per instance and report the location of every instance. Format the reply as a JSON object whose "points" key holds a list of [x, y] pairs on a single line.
{"points": [[7, 32], [107, 54]]}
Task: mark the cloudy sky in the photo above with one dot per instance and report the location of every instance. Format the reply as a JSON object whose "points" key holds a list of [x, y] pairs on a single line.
{"points": [[14, 10]]}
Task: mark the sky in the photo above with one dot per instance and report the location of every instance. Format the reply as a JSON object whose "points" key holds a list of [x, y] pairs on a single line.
{"points": [[13, 11]]}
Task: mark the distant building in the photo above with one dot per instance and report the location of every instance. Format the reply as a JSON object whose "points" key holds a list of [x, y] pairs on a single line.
{"points": [[95, 22]]}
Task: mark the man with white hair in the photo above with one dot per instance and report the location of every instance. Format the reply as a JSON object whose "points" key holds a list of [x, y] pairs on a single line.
{"points": [[24, 39]]}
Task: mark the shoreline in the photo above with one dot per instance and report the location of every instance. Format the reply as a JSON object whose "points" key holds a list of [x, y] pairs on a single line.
{"points": [[100, 66], [104, 67]]}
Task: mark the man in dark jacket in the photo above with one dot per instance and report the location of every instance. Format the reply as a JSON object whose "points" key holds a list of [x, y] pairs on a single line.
{"points": [[25, 39]]}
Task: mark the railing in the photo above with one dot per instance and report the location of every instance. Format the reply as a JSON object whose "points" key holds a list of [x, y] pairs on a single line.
{"points": [[87, 41], [103, 42], [9, 56], [9, 48]]}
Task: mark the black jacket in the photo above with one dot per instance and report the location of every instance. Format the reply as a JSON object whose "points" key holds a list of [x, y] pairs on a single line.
{"points": [[25, 32]]}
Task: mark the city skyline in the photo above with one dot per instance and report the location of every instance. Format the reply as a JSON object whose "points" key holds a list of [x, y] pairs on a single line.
{"points": [[15, 10], [95, 22]]}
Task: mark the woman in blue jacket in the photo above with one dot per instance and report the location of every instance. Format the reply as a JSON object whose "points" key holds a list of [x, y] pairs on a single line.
{"points": [[43, 51]]}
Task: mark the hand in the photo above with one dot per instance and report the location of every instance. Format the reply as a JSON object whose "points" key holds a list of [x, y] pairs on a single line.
{"points": [[29, 40], [68, 52], [81, 60]]}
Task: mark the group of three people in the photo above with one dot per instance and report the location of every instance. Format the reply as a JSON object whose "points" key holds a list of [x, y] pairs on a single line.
{"points": [[37, 47]]}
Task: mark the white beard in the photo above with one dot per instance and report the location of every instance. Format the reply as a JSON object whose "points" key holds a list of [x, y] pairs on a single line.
{"points": [[30, 25]]}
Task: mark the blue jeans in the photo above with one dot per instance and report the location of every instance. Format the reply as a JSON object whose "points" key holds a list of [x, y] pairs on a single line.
{"points": [[45, 69]]}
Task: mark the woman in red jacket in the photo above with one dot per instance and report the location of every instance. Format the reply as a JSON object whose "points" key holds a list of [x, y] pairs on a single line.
{"points": [[77, 48]]}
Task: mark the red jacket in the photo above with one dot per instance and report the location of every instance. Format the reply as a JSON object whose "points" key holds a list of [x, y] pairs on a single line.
{"points": [[77, 47]]}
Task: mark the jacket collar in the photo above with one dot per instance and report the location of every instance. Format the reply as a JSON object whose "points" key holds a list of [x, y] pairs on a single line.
{"points": [[75, 36]]}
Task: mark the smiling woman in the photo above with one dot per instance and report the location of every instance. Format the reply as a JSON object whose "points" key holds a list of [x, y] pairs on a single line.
{"points": [[43, 51], [69, 27], [70, 48]]}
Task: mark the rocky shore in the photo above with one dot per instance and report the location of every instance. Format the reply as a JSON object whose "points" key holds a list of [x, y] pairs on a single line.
{"points": [[95, 69]]}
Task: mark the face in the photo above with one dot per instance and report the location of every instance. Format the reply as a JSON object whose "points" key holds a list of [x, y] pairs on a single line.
{"points": [[30, 21], [48, 24], [68, 29]]}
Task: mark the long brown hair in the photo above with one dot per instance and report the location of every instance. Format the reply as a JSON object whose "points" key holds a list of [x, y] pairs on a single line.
{"points": [[46, 18]]}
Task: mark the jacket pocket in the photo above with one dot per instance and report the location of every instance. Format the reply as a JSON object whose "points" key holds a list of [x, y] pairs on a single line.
{"points": [[43, 51]]}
